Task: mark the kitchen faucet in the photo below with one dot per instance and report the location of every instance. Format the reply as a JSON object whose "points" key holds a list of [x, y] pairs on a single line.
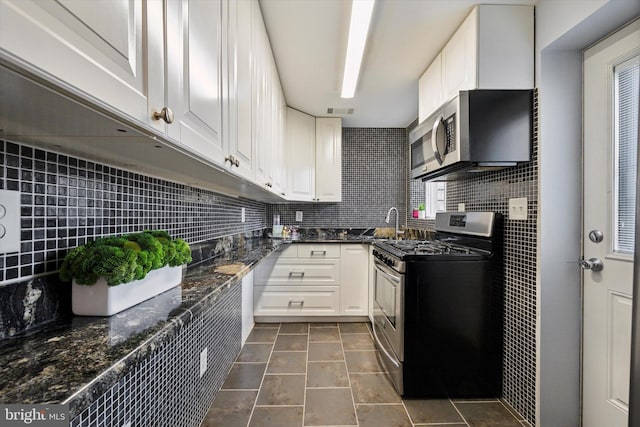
{"points": [[397, 232]]}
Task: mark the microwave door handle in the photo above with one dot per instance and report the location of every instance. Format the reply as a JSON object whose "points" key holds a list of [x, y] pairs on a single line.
{"points": [[437, 134]]}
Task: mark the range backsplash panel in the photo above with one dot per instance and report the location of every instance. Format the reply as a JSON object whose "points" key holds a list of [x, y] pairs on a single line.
{"points": [[67, 201], [373, 180]]}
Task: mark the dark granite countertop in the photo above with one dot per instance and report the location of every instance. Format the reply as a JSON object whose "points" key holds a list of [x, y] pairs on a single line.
{"points": [[76, 360]]}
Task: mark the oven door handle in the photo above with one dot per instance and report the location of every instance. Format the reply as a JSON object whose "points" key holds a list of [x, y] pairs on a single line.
{"points": [[386, 272]]}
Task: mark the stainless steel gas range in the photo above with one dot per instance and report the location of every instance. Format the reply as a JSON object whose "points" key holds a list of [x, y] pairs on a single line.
{"points": [[437, 317]]}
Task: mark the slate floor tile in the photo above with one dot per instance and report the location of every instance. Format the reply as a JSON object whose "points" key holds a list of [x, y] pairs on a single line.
{"points": [[291, 343], [230, 409], [276, 416], [382, 416], [329, 407], [425, 411], [287, 362], [325, 351], [327, 374], [245, 376], [282, 390]]}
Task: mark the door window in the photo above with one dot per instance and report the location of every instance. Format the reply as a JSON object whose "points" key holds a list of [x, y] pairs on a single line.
{"points": [[626, 78]]}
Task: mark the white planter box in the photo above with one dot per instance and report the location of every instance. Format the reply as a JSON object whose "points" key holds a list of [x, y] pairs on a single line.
{"points": [[100, 299]]}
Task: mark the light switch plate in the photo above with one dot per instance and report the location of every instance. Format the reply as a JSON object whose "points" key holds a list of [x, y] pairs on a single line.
{"points": [[9, 221], [243, 216], [298, 216], [460, 207], [518, 209]]}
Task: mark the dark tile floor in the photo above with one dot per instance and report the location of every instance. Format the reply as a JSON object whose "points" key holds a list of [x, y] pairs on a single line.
{"points": [[327, 374]]}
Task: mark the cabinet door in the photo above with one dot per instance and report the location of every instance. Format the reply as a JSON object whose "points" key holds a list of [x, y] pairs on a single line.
{"points": [[328, 160], [354, 280], [430, 89], [260, 109], [301, 155], [459, 59], [239, 85], [278, 161], [194, 76], [95, 47]]}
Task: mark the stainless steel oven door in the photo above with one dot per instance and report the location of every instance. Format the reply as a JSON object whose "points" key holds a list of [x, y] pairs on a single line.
{"points": [[388, 317]]}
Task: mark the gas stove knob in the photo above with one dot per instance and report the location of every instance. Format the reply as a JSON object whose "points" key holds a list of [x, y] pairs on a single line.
{"points": [[376, 253], [389, 262]]}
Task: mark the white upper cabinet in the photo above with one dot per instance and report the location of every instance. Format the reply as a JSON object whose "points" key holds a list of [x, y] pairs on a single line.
{"points": [[268, 112], [328, 160], [430, 89], [492, 49], [314, 158], [459, 59], [239, 119], [301, 156], [194, 76], [96, 48]]}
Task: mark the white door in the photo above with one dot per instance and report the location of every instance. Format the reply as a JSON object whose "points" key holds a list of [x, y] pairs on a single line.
{"points": [[611, 71]]}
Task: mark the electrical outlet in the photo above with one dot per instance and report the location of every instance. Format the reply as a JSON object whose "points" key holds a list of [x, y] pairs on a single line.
{"points": [[298, 216], [460, 207], [9, 221], [242, 215], [203, 362], [518, 209]]}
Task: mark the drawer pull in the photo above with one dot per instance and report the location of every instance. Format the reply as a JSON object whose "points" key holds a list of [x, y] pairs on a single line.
{"points": [[296, 273], [318, 252], [292, 301]]}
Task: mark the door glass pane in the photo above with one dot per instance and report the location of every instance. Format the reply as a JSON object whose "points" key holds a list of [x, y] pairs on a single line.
{"points": [[627, 77]]}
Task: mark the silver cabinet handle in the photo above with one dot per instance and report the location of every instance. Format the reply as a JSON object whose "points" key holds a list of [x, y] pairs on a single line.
{"points": [[165, 114], [593, 264], [234, 162], [292, 301], [296, 273], [318, 252]]}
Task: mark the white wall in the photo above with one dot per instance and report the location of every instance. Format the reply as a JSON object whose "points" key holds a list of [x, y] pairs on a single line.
{"points": [[563, 29]]}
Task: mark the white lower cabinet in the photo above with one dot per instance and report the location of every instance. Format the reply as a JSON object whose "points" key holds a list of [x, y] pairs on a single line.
{"points": [[313, 280], [354, 280], [247, 305]]}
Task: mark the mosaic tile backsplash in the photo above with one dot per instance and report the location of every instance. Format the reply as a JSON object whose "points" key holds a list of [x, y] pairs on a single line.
{"points": [[373, 180], [65, 201]]}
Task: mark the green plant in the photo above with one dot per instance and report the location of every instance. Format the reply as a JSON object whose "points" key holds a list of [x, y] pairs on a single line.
{"points": [[121, 259], [421, 207]]}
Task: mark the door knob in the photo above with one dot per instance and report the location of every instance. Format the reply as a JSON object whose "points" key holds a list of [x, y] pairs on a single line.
{"points": [[593, 264]]}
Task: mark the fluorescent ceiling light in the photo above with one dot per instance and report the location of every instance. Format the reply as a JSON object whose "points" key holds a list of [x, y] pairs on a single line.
{"points": [[361, 11]]}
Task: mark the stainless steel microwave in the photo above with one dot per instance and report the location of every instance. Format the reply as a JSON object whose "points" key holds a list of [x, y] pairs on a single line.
{"points": [[476, 131]]}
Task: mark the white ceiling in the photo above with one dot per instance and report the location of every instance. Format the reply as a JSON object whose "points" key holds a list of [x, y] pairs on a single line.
{"points": [[308, 38]]}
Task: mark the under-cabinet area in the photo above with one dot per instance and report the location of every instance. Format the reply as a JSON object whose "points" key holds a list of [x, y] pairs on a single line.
{"points": [[309, 279]]}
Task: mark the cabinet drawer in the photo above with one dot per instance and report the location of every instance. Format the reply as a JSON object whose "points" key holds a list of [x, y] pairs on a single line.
{"points": [[305, 272], [317, 251], [296, 301]]}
